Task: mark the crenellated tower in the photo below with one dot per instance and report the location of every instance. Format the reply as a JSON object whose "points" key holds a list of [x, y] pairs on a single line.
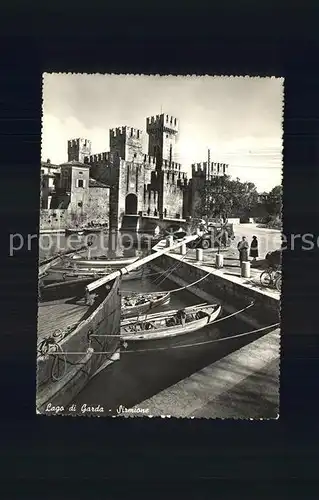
{"points": [[127, 143], [162, 131], [207, 171], [78, 149], [201, 173]]}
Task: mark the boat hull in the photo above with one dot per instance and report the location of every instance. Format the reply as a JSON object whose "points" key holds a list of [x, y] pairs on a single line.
{"points": [[58, 284], [94, 230], [144, 308], [102, 263], [83, 365], [169, 337], [67, 274]]}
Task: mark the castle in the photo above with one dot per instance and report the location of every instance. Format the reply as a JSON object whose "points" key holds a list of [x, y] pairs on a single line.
{"points": [[125, 180]]}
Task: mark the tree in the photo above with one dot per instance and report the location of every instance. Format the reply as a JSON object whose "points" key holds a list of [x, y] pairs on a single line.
{"points": [[223, 196], [274, 201]]}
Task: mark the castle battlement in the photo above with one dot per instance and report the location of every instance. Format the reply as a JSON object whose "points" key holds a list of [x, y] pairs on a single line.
{"points": [[149, 159], [199, 168], [78, 149], [216, 168], [100, 157], [173, 165], [173, 176], [73, 143], [127, 132], [162, 122]]}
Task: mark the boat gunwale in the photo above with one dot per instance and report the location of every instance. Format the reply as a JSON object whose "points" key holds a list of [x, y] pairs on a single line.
{"points": [[84, 320], [174, 331], [163, 300], [159, 315]]}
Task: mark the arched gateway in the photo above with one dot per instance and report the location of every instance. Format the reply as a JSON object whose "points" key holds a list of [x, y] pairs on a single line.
{"points": [[131, 204]]}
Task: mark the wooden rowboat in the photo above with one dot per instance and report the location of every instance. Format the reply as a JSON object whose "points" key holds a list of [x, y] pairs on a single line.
{"points": [[141, 303], [80, 232], [102, 262], [169, 324], [67, 273], [60, 281], [70, 338], [94, 229]]}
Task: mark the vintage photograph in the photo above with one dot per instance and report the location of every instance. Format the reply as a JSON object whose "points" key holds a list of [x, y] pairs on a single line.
{"points": [[160, 246]]}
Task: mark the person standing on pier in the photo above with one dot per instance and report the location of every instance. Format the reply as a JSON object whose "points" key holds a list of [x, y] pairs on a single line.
{"points": [[254, 248], [242, 248]]}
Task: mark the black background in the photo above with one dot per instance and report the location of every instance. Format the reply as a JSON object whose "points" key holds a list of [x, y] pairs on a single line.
{"points": [[242, 38]]}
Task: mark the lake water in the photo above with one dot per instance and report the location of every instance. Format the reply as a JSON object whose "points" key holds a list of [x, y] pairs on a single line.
{"points": [[116, 244], [138, 376]]}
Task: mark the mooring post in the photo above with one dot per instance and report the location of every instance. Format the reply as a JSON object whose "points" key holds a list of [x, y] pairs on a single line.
{"points": [[182, 249], [245, 269], [219, 261], [88, 298], [199, 254], [169, 241]]}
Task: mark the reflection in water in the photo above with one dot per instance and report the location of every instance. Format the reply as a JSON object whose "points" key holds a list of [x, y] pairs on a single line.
{"points": [[114, 245]]}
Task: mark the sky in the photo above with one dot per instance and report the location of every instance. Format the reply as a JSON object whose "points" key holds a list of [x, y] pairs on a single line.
{"points": [[238, 118]]}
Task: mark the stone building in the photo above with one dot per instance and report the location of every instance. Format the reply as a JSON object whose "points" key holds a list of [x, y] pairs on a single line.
{"points": [[202, 172], [151, 184], [125, 180], [47, 184]]}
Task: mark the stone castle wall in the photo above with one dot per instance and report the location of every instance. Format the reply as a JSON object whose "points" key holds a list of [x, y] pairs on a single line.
{"points": [[54, 219], [97, 210], [99, 205]]}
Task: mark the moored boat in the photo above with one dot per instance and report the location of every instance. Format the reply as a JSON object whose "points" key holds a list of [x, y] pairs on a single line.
{"points": [[170, 324], [102, 262], [63, 277], [94, 229], [71, 337], [50, 262], [79, 334], [69, 231], [143, 302]]}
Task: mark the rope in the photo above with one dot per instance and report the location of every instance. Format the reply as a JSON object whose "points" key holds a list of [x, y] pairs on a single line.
{"points": [[56, 363], [239, 335], [56, 349], [174, 267], [187, 286]]}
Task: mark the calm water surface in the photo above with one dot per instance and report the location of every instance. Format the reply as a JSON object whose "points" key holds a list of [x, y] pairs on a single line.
{"points": [[138, 376], [113, 245]]}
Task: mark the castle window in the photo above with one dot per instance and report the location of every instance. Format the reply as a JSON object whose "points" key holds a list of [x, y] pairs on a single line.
{"points": [[80, 183], [138, 134], [81, 173], [175, 121], [80, 204], [42, 171], [166, 136]]}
